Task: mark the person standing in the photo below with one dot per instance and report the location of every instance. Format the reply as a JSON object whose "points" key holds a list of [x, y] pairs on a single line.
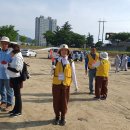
{"points": [[117, 63], [5, 90], [64, 73], [126, 62], [102, 72], [14, 69], [89, 60], [124, 65]]}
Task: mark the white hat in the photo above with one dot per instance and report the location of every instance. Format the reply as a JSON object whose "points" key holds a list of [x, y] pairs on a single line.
{"points": [[64, 46], [104, 55], [5, 39]]}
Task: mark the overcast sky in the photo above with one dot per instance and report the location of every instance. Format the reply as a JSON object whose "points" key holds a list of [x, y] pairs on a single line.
{"points": [[83, 15]]}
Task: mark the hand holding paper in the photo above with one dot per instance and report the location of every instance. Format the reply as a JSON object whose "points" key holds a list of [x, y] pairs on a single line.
{"points": [[96, 64]]}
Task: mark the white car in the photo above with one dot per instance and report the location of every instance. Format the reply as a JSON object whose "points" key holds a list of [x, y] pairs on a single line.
{"points": [[28, 52]]}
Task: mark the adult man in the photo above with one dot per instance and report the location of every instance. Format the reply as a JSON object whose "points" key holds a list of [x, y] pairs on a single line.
{"points": [[5, 90], [89, 60]]}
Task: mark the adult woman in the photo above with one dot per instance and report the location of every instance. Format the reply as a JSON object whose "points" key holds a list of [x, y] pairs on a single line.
{"points": [[64, 73], [14, 69]]}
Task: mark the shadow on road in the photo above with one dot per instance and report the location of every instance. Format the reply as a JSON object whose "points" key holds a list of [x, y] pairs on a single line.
{"points": [[18, 125]]}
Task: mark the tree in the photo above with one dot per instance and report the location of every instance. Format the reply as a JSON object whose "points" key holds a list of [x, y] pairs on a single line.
{"points": [[89, 40], [99, 44], [50, 37], [9, 31], [23, 39], [66, 27], [77, 40], [64, 35], [120, 37]]}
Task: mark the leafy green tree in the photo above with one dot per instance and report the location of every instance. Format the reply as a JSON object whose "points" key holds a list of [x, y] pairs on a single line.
{"points": [[64, 35], [50, 37], [77, 40], [33, 42], [99, 44], [23, 39], [89, 40], [9, 31], [120, 37], [66, 27]]}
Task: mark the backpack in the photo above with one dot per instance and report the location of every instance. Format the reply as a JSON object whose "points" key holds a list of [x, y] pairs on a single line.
{"points": [[24, 75]]}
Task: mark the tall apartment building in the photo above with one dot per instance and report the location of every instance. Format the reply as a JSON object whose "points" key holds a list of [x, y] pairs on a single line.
{"points": [[42, 25]]}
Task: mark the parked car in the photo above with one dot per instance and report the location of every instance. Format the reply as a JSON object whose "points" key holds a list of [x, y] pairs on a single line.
{"points": [[77, 55], [28, 52], [54, 53]]}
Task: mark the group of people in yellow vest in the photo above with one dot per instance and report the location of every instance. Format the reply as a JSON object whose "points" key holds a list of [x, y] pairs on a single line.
{"points": [[96, 65]]}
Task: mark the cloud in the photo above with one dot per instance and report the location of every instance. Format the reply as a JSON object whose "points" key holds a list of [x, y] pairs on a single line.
{"points": [[83, 15]]}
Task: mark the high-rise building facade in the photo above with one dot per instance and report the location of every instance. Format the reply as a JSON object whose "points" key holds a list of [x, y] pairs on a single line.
{"points": [[42, 25]]}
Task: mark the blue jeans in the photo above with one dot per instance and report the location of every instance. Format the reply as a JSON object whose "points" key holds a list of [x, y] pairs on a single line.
{"points": [[91, 74], [6, 91]]}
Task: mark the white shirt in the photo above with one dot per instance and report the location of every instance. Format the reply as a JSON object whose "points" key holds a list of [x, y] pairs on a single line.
{"points": [[17, 63]]}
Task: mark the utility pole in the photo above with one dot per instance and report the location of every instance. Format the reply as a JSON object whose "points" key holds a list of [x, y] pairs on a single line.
{"points": [[102, 30], [99, 31]]}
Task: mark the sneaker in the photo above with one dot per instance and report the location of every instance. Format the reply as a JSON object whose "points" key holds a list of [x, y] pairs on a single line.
{"points": [[15, 114], [11, 112], [96, 98], [90, 93], [62, 122], [76, 90], [103, 98], [56, 121]]}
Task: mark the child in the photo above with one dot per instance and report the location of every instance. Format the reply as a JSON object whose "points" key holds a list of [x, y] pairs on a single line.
{"points": [[102, 72]]}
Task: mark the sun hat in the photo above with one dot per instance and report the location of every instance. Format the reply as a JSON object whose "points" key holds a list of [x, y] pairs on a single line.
{"points": [[64, 46], [5, 39], [104, 55]]}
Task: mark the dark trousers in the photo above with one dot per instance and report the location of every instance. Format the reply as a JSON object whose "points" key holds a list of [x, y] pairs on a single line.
{"points": [[16, 85], [60, 100], [101, 84]]}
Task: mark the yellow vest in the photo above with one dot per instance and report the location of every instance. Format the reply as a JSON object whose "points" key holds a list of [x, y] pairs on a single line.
{"points": [[91, 60], [67, 74], [103, 69]]}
